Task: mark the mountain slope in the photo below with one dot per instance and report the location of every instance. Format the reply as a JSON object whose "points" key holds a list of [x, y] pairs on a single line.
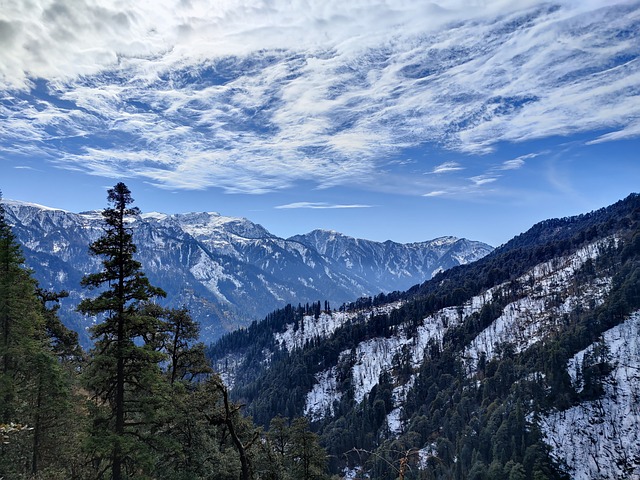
{"points": [[598, 439], [227, 271], [468, 375]]}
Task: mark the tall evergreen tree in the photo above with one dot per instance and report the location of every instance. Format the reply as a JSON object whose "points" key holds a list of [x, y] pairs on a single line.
{"points": [[176, 337], [19, 319], [124, 374]]}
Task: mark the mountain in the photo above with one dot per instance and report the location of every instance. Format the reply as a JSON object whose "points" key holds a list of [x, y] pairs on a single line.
{"points": [[393, 266], [523, 364], [227, 271]]}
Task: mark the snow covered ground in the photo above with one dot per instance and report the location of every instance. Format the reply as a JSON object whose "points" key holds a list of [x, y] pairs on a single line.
{"points": [[522, 322], [528, 319], [600, 439], [326, 324], [321, 397]]}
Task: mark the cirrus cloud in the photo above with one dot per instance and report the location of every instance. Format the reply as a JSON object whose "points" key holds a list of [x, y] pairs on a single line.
{"points": [[320, 205], [256, 96]]}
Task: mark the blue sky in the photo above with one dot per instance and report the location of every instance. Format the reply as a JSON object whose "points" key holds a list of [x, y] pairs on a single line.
{"points": [[398, 119]]}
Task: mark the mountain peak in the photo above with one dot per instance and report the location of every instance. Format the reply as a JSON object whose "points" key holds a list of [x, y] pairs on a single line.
{"points": [[19, 203]]}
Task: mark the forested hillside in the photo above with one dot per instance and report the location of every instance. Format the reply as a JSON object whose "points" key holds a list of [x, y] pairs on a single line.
{"points": [[497, 369]]}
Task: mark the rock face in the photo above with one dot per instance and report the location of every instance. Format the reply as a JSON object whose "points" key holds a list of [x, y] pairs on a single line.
{"points": [[228, 271]]}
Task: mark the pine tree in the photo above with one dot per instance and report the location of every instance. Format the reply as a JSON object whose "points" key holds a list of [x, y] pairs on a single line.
{"points": [[123, 374], [20, 320], [308, 458]]}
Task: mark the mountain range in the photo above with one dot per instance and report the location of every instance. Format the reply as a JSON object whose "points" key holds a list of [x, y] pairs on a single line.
{"points": [[228, 271], [523, 364]]}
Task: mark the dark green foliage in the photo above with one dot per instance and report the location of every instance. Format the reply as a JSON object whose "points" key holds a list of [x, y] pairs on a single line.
{"points": [[156, 410], [34, 375], [291, 452], [123, 376]]}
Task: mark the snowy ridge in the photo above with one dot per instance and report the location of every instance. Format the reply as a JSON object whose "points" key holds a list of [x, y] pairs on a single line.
{"points": [[228, 271], [407, 264], [17, 203], [600, 439]]}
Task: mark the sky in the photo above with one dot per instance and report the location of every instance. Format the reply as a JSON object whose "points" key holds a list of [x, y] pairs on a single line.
{"points": [[399, 120]]}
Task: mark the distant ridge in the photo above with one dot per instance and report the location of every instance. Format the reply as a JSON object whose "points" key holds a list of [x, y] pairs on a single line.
{"points": [[228, 271]]}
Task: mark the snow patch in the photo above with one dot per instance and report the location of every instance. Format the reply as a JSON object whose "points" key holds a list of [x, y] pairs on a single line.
{"points": [[528, 319], [600, 439], [324, 393], [210, 274], [311, 328]]}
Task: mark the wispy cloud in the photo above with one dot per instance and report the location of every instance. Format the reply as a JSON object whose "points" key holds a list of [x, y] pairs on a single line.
{"points": [[256, 97], [516, 163], [435, 193], [483, 179], [321, 205], [629, 131], [447, 167], [512, 164]]}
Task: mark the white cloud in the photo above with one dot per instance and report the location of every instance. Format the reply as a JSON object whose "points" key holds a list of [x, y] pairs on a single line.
{"points": [[514, 164], [435, 193], [483, 179], [254, 96], [447, 167], [320, 205], [630, 131]]}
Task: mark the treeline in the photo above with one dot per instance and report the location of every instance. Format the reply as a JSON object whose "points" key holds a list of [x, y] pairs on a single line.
{"points": [[143, 403], [542, 242], [459, 426]]}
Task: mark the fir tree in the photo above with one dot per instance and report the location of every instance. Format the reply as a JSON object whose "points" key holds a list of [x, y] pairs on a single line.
{"points": [[20, 320], [123, 375]]}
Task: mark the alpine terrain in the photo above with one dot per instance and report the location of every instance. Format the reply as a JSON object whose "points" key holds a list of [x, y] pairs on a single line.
{"points": [[228, 271], [523, 364]]}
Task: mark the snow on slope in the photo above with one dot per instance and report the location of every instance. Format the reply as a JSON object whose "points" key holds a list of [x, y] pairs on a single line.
{"points": [[210, 274], [600, 439], [326, 324], [321, 397], [522, 322], [526, 321]]}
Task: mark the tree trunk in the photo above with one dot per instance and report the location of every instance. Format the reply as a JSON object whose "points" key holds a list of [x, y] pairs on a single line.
{"points": [[37, 429]]}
